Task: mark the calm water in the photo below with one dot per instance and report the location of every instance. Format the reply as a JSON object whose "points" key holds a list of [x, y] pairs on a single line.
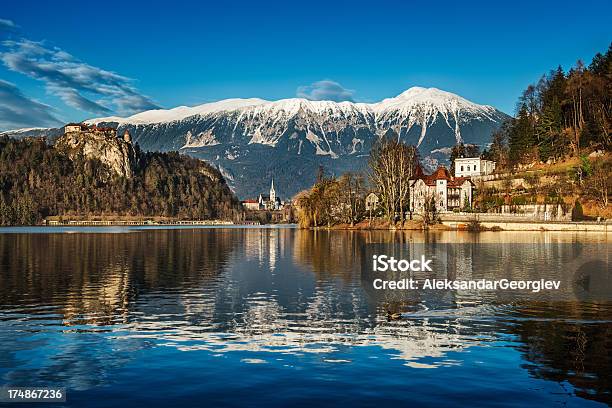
{"points": [[278, 316]]}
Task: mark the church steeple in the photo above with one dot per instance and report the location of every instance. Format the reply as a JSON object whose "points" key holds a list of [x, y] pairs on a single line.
{"points": [[272, 192]]}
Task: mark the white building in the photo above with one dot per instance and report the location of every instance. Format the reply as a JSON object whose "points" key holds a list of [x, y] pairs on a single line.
{"points": [[271, 201], [74, 127], [250, 204], [272, 192], [473, 166], [371, 202], [446, 191]]}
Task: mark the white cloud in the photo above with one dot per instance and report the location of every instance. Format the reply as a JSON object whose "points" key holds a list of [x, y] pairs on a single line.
{"points": [[7, 25], [325, 90], [18, 111], [80, 85]]}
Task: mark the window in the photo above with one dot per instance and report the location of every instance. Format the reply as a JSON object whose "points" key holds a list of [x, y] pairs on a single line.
{"points": [[468, 168], [461, 168]]}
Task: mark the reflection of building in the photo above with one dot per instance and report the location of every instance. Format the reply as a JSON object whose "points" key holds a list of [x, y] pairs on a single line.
{"points": [[473, 166], [446, 191]]}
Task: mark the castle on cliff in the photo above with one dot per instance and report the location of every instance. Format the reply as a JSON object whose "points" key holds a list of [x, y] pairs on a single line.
{"points": [[106, 131]]}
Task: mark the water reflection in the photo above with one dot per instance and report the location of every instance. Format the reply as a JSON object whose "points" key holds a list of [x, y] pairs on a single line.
{"points": [[569, 345], [91, 304]]}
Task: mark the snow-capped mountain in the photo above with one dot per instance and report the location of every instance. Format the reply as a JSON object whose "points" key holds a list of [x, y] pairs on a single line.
{"points": [[265, 122], [49, 133], [254, 140]]}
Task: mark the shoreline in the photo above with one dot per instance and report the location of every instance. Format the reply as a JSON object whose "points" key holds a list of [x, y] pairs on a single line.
{"points": [[365, 225], [532, 226], [145, 223], [483, 226], [116, 223]]}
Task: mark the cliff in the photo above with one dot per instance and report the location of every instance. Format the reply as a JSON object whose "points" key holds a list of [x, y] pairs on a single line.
{"points": [[117, 154], [75, 178]]}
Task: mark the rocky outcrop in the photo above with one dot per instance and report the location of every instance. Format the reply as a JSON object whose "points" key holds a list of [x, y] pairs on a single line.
{"points": [[116, 153]]}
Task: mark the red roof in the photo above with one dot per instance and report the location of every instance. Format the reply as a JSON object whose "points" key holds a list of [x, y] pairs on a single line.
{"points": [[441, 173], [458, 181], [250, 202]]}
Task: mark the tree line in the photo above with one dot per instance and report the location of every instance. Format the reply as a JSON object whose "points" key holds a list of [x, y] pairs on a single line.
{"points": [[37, 181], [562, 114], [341, 200]]}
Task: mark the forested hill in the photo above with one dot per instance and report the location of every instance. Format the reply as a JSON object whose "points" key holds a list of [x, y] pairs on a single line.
{"points": [[563, 114], [38, 180]]}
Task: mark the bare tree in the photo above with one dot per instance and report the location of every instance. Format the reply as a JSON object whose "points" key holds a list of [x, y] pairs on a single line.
{"points": [[392, 164], [576, 82], [351, 197], [598, 185], [429, 208]]}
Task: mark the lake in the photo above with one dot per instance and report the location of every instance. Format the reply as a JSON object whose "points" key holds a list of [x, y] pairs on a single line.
{"points": [[156, 317]]}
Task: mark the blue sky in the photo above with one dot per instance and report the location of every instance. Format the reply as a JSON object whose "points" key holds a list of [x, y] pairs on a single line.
{"points": [[68, 61]]}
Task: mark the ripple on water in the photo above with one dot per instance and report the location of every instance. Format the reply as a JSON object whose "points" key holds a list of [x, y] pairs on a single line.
{"points": [[98, 310]]}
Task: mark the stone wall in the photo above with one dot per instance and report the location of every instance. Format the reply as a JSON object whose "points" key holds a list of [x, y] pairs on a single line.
{"points": [[536, 226], [544, 212], [531, 212]]}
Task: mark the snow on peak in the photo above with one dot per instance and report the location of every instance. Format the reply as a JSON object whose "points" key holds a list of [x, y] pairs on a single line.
{"points": [[181, 112], [423, 106], [442, 100], [416, 100], [21, 130]]}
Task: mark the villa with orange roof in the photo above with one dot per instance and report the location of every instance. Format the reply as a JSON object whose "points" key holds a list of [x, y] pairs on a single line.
{"points": [[448, 192]]}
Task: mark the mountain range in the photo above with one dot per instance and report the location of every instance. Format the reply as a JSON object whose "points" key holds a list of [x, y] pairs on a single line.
{"points": [[253, 141]]}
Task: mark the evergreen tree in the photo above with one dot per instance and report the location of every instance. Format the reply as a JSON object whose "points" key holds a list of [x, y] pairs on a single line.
{"points": [[37, 180], [564, 113], [521, 137]]}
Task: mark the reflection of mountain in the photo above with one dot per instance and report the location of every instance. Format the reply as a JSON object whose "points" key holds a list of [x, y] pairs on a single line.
{"points": [[272, 292], [95, 278], [193, 289]]}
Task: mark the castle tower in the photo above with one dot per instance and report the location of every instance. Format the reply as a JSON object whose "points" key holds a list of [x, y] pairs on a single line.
{"points": [[127, 137], [272, 193]]}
